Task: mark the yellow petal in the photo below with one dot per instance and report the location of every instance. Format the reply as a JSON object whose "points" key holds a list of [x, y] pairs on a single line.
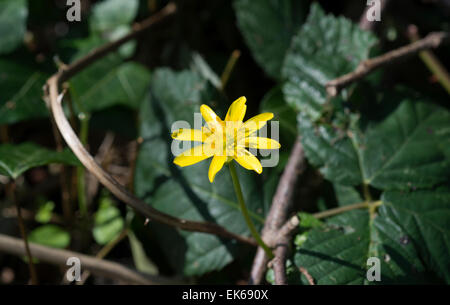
{"points": [[217, 163], [248, 161], [192, 156], [197, 135], [211, 118], [261, 143], [256, 123], [236, 112]]}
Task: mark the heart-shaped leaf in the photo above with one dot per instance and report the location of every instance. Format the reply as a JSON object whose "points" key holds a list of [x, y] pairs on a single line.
{"points": [[268, 27]]}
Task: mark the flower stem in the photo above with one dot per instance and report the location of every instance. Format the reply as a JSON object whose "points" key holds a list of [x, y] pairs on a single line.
{"points": [[248, 220]]}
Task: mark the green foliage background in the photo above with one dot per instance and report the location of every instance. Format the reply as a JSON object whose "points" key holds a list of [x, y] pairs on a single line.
{"points": [[384, 139]]}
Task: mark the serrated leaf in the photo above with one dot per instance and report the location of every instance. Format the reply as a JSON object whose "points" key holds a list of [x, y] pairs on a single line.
{"points": [[16, 159], [110, 82], [404, 151], [325, 48], [21, 89], [50, 235], [268, 27], [13, 22], [409, 235], [187, 192]]}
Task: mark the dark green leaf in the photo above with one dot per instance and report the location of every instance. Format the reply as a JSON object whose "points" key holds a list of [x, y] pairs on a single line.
{"points": [[111, 20], [13, 22], [406, 150], [409, 235], [326, 47], [16, 159], [109, 82], [107, 15], [268, 27], [21, 89]]}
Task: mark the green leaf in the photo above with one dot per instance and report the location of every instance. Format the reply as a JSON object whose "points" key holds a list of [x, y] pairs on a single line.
{"points": [[404, 151], [268, 27], [21, 89], [409, 235], [346, 194], [274, 102], [108, 14], [111, 20], [110, 82], [308, 221], [140, 258], [16, 159], [13, 22], [44, 212], [187, 192], [50, 235], [326, 47], [108, 222]]}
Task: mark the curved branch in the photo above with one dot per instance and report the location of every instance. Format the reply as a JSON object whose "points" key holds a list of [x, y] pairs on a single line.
{"points": [[54, 99], [97, 266]]}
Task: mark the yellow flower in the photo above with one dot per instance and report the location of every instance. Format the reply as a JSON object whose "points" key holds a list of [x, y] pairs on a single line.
{"points": [[225, 140]]}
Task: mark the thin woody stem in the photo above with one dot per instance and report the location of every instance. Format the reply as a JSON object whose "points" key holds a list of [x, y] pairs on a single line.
{"points": [[23, 233], [245, 213], [432, 40]]}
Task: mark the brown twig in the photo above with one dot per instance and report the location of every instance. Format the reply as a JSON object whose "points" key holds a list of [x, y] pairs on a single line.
{"points": [[103, 253], [433, 40], [279, 210], [55, 104], [279, 262], [97, 266], [23, 233], [308, 276]]}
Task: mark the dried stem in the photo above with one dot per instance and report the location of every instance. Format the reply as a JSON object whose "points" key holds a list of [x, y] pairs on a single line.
{"points": [[104, 252], [279, 210], [97, 266], [433, 40], [55, 104], [23, 233]]}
